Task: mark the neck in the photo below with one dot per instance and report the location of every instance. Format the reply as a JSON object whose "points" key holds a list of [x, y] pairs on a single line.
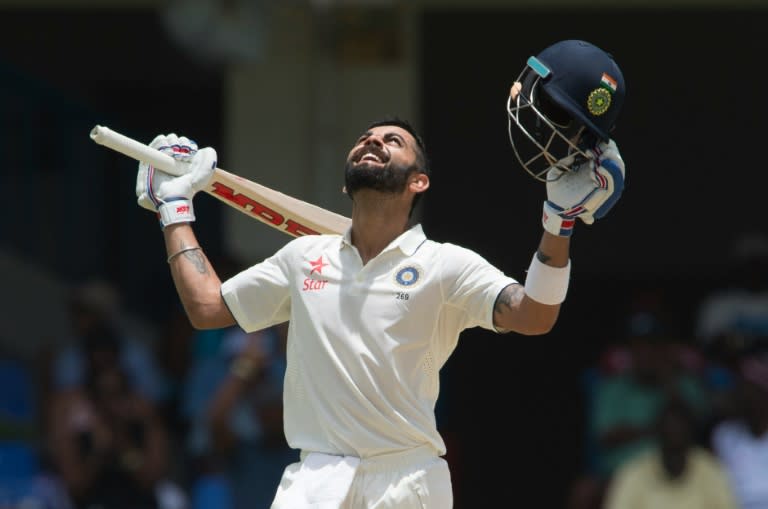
{"points": [[377, 220]]}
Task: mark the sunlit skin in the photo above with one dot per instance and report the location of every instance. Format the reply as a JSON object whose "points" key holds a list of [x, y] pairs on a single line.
{"points": [[378, 217], [370, 163]]}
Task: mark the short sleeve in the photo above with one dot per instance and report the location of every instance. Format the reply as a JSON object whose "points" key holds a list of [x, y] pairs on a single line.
{"points": [[259, 296], [472, 284]]}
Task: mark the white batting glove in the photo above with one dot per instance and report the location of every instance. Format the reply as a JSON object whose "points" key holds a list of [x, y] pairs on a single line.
{"points": [[168, 195], [588, 191]]}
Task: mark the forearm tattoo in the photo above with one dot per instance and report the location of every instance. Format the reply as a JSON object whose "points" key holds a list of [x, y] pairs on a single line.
{"points": [[542, 256], [198, 260]]}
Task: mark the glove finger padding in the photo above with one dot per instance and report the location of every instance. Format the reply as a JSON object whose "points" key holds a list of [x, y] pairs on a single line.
{"points": [[611, 169], [179, 147], [147, 179], [587, 192], [609, 181], [201, 167], [156, 190]]}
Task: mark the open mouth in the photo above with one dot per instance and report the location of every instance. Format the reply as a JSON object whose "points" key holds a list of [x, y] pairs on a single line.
{"points": [[371, 155]]}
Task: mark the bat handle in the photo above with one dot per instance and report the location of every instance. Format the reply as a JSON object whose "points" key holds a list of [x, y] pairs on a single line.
{"points": [[132, 148]]}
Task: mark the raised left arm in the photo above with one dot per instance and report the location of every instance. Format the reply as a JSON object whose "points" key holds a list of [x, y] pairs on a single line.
{"points": [[517, 308], [587, 192]]}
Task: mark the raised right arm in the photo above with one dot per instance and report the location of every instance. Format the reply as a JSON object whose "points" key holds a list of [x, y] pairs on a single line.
{"points": [[197, 283], [170, 197]]}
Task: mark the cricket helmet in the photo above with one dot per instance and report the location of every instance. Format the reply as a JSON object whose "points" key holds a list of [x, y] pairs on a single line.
{"points": [[570, 96]]}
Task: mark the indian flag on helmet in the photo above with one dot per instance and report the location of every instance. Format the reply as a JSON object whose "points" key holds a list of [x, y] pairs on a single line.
{"points": [[608, 82]]}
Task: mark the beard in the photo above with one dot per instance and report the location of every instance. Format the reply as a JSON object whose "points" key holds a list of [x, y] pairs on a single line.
{"points": [[393, 178]]}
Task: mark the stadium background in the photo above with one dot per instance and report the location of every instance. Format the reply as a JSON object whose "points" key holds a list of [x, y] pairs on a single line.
{"points": [[281, 93]]}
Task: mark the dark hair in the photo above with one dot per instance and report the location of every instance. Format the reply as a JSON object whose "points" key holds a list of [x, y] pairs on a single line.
{"points": [[421, 154], [404, 124]]}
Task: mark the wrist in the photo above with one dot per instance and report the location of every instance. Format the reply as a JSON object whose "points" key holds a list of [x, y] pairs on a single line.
{"points": [[182, 250], [555, 223], [178, 210], [547, 284]]}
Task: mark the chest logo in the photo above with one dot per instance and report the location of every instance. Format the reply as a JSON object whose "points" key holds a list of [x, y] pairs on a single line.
{"points": [[408, 276], [317, 266], [315, 280]]}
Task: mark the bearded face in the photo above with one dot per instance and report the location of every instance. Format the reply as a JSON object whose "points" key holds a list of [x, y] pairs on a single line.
{"points": [[370, 167]]}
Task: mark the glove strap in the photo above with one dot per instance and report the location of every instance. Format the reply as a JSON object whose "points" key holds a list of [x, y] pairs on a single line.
{"points": [[176, 211], [556, 224]]}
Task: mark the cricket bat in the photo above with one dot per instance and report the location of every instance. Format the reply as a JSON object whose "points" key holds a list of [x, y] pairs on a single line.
{"points": [[273, 208]]}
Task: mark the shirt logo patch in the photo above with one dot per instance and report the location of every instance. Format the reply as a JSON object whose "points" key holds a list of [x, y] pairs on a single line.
{"points": [[317, 265], [315, 281], [408, 276]]}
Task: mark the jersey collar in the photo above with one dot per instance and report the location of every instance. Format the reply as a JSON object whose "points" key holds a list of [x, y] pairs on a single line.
{"points": [[411, 239], [408, 242]]}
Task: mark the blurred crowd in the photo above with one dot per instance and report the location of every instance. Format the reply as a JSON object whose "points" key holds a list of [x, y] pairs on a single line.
{"points": [[122, 416], [676, 420]]}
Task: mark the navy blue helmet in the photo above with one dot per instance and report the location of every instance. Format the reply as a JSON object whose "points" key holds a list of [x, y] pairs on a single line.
{"points": [[569, 99]]}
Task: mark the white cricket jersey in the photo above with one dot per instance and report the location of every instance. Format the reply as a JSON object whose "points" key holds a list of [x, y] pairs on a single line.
{"points": [[365, 342]]}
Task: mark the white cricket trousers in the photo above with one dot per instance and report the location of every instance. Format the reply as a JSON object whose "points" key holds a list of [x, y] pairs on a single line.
{"points": [[413, 479]]}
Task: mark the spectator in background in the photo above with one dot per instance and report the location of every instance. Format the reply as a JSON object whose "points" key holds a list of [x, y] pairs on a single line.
{"points": [[107, 440], [95, 305], [741, 441], [677, 473], [627, 404], [624, 402], [181, 350], [26, 480], [234, 404], [733, 319]]}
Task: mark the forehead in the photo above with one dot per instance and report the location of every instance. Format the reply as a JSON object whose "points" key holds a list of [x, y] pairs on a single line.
{"points": [[384, 130]]}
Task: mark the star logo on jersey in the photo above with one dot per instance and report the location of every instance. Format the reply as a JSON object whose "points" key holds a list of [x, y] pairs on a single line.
{"points": [[317, 266], [317, 282]]}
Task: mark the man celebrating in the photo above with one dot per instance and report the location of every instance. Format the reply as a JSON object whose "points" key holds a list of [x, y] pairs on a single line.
{"points": [[376, 312]]}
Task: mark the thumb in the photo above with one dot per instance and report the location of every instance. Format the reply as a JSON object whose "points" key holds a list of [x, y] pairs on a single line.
{"points": [[204, 165]]}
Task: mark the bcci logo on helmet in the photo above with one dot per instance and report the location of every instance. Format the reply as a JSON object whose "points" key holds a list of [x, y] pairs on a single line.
{"points": [[565, 101], [599, 101]]}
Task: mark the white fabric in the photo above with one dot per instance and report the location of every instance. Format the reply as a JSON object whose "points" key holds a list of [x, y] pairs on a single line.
{"points": [[588, 191], [155, 188], [745, 458], [364, 349], [321, 481], [545, 284], [176, 211], [556, 224], [409, 478], [416, 478]]}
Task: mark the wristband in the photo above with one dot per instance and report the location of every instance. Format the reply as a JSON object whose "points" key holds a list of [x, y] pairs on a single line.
{"points": [[176, 211], [546, 284]]}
